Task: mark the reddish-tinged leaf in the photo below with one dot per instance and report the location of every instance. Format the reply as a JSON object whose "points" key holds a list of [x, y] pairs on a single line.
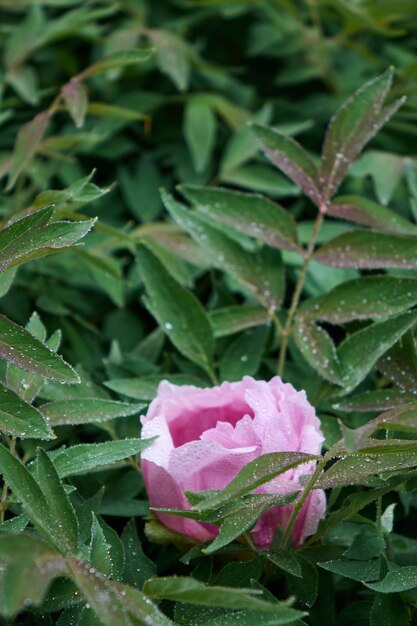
{"points": [[291, 158], [368, 249], [369, 213], [368, 297], [27, 142], [352, 126], [248, 213], [76, 98]]}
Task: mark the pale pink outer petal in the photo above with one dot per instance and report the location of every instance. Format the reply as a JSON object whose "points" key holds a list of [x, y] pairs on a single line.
{"points": [[309, 517]]}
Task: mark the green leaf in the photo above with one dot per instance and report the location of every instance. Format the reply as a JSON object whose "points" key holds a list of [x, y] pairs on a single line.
{"points": [[20, 419], [58, 503], [282, 616], [87, 457], [28, 567], [101, 109], [368, 297], [248, 213], [187, 589], [400, 579], [244, 519], [367, 249], [146, 388], [115, 604], [232, 319], [172, 57], [119, 60], [27, 143], [254, 474], [368, 544], [99, 550], [261, 272], [360, 351], [243, 356], [379, 400], [364, 211], [399, 364], [137, 567], [318, 349], [30, 495], [18, 346], [34, 236], [76, 100], [177, 311], [357, 570], [199, 131], [88, 411], [358, 468], [388, 610], [291, 158], [352, 126]]}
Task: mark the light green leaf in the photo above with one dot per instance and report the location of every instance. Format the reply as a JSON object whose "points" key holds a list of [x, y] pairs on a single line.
{"points": [[199, 131], [20, 419], [232, 319]]}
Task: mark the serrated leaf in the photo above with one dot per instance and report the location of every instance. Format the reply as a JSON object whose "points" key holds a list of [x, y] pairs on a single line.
{"points": [[368, 249], [88, 411], [370, 213], [18, 346], [260, 272], [26, 146], [291, 158], [177, 311], [20, 419], [317, 347], [367, 297], [199, 131], [350, 129], [27, 568], [359, 352], [251, 214], [254, 474], [87, 457], [76, 99], [58, 503]]}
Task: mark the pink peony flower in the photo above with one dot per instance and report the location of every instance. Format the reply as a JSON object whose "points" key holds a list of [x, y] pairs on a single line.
{"points": [[206, 436]]}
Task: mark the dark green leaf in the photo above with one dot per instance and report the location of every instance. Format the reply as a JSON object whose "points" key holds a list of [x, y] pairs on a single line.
{"points": [[20, 419], [138, 567], [360, 351], [27, 143], [177, 311], [232, 319], [388, 610], [317, 347], [400, 579], [199, 131], [58, 502], [243, 356], [357, 570], [118, 60]]}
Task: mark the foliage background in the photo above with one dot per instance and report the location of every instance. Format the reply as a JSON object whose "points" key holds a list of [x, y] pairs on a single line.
{"points": [[174, 110]]}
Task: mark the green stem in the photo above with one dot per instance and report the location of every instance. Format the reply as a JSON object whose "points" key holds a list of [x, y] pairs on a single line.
{"points": [[286, 332]]}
